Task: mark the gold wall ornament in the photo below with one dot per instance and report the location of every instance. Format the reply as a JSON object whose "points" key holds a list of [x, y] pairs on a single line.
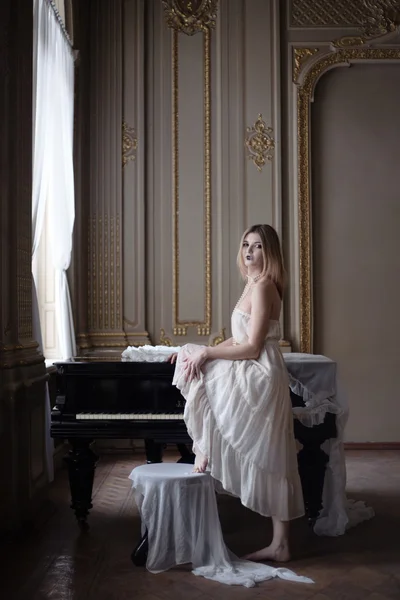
{"points": [[180, 331], [104, 272], [348, 42], [203, 327], [203, 331], [300, 57], [190, 17], [305, 93], [284, 343], [381, 17], [260, 143], [164, 340], [326, 13], [218, 339], [129, 143]]}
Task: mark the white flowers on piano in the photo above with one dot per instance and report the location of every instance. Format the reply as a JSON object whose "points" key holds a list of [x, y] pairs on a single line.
{"points": [[148, 353]]}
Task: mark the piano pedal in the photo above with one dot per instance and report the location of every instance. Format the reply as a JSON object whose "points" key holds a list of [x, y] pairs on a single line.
{"points": [[139, 555]]}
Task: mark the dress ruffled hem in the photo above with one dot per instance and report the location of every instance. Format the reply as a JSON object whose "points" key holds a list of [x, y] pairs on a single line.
{"points": [[269, 494]]}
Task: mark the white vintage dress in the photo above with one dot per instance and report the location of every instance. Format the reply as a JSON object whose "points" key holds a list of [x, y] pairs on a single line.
{"points": [[239, 415]]}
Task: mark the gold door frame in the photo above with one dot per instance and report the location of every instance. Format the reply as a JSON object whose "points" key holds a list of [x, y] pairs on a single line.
{"points": [[308, 67]]}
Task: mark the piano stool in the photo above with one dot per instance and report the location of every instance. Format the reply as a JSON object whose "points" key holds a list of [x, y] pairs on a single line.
{"points": [[178, 511]]}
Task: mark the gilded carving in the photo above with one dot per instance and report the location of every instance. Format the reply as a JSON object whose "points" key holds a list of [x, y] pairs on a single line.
{"points": [[300, 58], [284, 344], [218, 339], [180, 331], [118, 272], [112, 284], [203, 327], [190, 17], [326, 13], [129, 143], [260, 143], [348, 42], [203, 331], [164, 340], [382, 17], [304, 97], [104, 272]]}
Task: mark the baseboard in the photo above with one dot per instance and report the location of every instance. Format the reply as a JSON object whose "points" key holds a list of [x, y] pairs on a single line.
{"points": [[372, 445]]}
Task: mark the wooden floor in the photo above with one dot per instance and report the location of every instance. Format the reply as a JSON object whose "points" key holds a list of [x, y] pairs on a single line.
{"points": [[55, 562]]}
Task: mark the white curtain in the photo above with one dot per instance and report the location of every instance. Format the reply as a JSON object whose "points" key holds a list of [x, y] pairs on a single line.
{"points": [[53, 177]]}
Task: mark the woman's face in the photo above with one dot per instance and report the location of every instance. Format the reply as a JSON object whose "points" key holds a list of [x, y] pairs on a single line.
{"points": [[252, 252]]}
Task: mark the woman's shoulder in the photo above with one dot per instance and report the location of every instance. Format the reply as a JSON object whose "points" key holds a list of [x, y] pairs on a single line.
{"points": [[265, 283]]}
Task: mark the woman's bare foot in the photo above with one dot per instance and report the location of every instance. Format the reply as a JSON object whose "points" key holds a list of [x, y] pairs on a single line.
{"points": [[279, 553], [200, 463]]}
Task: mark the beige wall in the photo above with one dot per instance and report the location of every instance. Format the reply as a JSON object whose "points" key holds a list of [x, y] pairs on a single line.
{"points": [[200, 188], [145, 281], [356, 217]]}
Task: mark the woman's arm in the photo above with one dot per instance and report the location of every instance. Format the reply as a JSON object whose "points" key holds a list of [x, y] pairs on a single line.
{"points": [[225, 344]]}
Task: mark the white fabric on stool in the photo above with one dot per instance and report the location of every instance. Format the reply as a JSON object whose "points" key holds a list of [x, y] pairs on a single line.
{"points": [[179, 510]]}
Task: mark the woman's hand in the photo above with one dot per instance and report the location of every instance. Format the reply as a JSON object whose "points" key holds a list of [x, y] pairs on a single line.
{"points": [[172, 358], [192, 364]]}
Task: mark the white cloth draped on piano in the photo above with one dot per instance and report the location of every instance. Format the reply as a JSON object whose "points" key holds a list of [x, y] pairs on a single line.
{"points": [[314, 377]]}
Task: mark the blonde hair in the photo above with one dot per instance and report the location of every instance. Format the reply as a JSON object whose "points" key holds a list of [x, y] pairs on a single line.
{"points": [[272, 255]]}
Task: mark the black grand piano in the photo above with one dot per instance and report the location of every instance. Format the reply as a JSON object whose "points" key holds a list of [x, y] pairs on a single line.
{"points": [[98, 399]]}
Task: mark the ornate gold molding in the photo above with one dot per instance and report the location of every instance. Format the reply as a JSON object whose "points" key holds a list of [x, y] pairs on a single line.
{"points": [[129, 143], [304, 98], [164, 340], [104, 272], [180, 331], [300, 57], [260, 143], [348, 42], [382, 17], [190, 17], [203, 327], [218, 339]]}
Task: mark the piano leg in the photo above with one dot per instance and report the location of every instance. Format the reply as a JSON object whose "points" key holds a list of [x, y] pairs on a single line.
{"points": [[312, 461], [81, 462], [154, 451], [187, 456]]}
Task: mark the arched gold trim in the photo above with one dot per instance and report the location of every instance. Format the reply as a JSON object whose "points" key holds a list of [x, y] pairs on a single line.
{"points": [[305, 92], [300, 57]]}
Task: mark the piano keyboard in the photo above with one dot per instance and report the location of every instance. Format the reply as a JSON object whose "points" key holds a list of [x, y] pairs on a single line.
{"points": [[87, 416]]}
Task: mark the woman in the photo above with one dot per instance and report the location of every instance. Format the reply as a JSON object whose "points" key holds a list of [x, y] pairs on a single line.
{"points": [[238, 410]]}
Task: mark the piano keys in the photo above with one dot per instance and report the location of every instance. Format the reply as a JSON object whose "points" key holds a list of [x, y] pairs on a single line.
{"points": [[112, 399], [101, 416]]}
